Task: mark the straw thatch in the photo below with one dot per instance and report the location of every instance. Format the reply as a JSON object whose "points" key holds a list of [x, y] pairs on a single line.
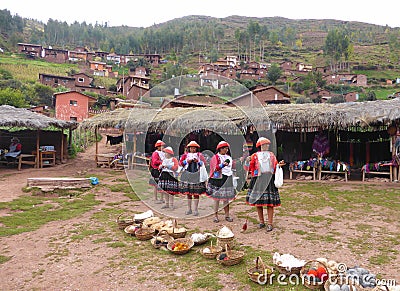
{"points": [[21, 117], [283, 116]]}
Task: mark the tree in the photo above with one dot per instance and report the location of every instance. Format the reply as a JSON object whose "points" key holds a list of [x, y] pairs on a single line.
{"points": [[12, 97], [274, 73]]}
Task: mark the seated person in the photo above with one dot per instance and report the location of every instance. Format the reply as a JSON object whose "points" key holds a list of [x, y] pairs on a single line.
{"points": [[14, 150]]}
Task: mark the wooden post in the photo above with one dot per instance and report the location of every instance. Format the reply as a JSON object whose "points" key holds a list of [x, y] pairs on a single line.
{"points": [[62, 146], [97, 144], [37, 148]]}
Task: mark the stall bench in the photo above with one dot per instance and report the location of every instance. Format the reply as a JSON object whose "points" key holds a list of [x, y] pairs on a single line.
{"points": [[303, 167], [376, 169]]}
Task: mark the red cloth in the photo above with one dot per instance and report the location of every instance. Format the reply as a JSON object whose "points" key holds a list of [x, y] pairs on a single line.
{"points": [[155, 160]]}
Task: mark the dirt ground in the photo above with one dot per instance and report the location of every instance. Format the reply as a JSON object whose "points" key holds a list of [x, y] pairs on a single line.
{"points": [[85, 265]]}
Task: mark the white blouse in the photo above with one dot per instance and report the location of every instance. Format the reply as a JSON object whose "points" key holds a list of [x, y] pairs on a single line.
{"points": [[227, 170]]}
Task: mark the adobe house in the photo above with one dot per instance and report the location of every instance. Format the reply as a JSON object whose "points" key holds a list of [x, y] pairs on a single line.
{"points": [[98, 68], [30, 50], [135, 92], [351, 97], [229, 73], [125, 84], [55, 81], [82, 79], [72, 105], [55, 55], [77, 56], [264, 95]]}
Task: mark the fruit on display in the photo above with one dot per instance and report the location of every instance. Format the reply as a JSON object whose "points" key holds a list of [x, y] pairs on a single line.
{"points": [[179, 246]]}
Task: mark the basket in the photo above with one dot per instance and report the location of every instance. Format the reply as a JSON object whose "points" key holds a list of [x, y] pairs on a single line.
{"points": [[312, 284], [288, 271], [151, 220], [124, 222], [214, 251], [235, 257], [175, 234], [163, 238], [186, 241], [223, 241], [144, 233], [260, 273], [131, 229]]}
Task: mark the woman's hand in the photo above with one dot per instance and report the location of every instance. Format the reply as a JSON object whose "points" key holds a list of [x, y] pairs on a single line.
{"points": [[281, 163]]}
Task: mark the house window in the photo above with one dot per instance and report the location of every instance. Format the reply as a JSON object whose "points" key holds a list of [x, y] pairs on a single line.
{"points": [[73, 103], [73, 118], [81, 80]]}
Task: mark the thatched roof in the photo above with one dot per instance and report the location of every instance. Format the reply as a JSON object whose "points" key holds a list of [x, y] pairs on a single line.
{"points": [[284, 116], [21, 117]]}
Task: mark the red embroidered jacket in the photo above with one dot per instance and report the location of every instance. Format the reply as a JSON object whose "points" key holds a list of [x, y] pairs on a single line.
{"points": [[254, 166]]}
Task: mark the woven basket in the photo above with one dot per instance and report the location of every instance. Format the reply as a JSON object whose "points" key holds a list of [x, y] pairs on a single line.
{"points": [[214, 251], [145, 233], [124, 222], [309, 283], [175, 234], [235, 257], [162, 236], [131, 229], [286, 271], [188, 241], [260, 273]]}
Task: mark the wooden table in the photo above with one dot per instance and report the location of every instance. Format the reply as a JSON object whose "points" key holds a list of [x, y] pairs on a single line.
{"points": [[47, 158]]}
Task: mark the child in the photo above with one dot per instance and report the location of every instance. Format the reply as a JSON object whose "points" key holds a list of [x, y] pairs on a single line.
{"points": [[167, 180], [262, 190]]}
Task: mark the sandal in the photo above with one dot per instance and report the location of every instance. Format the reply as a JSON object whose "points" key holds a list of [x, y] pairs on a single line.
{"points": [[216, 220], [269, 228], [188, 212], [229, 219], [261, 225], [164, 206], [195, 213]]}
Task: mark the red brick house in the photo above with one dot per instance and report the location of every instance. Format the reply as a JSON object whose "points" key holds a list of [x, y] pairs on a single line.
{"points": [[125, 84], [229, 73], [55, 81], [351, 97], [135, 92], [349, 79], [72, 105], [30, 50], [82, 79], [264, 95], [55, 55]]}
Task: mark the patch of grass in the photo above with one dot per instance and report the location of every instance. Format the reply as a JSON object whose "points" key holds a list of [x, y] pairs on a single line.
{"points": [[116, 245], [31, 212], [102, 240], [207, 281], [4, 259]]}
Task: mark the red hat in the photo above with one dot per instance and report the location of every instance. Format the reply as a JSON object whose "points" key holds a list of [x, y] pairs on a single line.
{"points": [[159, 143], [262, 140], [193, 144], [222, 144], [168, 150]]}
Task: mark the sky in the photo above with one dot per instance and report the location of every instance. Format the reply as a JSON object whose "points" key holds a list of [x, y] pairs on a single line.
{"points": [[135, 13]]}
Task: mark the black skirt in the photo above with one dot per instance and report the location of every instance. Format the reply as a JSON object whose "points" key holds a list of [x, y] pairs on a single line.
{"points": [[262, 191]]}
